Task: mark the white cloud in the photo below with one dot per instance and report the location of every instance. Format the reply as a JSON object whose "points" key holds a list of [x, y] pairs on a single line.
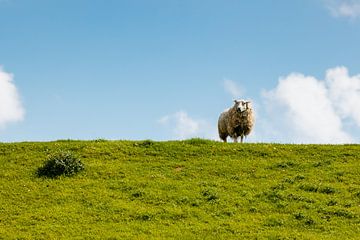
{"points": [[183, 126], [344, 91], [304, 112], [11, 109], [233, 89], [344, 8], [307, 110]]}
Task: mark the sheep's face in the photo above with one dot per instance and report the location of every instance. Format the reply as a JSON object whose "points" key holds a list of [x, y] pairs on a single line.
{"points": [[241, 105]]}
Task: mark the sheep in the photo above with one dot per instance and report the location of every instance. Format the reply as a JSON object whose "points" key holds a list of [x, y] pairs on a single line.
{"points": [[237, 121]]}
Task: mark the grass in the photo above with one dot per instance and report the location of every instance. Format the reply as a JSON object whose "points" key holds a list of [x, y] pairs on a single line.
{"points": [[194, 189]]}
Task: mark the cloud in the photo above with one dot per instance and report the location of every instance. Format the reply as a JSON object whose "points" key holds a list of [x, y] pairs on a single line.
{"points": [[11, 109], [183, 126], [233, 89], [344, 91], [304, 109], [344, 8]]}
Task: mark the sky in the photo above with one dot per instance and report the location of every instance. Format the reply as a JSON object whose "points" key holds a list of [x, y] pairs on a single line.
{"points": [[166, 69]]}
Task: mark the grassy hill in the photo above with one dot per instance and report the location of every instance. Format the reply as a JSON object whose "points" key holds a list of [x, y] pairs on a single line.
{"points": [[192, 189]]}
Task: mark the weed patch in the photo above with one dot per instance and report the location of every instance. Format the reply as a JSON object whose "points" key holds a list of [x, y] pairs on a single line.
{"points": [[60, 163], [144, 144], [319, 189], [210, 195]]}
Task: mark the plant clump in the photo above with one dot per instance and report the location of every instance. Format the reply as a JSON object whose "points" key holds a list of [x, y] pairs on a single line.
{"points": [[61, 163]]}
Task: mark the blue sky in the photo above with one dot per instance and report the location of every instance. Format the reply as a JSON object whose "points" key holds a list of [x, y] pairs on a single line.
{"points": [[166, 69]]}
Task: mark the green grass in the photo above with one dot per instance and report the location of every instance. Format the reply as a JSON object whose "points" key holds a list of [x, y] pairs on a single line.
{"points": [[194, 189]]}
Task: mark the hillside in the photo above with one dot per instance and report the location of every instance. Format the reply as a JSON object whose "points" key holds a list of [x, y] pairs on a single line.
{"points": [[192, 189]]}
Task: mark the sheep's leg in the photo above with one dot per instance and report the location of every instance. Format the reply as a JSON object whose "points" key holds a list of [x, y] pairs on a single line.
{"points": [[242, 138], [235, 140], [223, 138]]}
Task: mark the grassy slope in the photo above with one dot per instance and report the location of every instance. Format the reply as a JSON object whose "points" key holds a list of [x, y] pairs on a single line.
{"points": [[193, 189]]}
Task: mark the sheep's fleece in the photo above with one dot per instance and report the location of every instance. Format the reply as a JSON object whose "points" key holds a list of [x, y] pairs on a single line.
{"points": [[237, 121]]}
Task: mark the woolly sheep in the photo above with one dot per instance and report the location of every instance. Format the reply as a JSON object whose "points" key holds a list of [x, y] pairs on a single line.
{"points": [[237, 121]]}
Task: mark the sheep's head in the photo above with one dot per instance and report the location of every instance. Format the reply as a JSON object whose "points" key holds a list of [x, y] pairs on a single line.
{"points": [[242, 105]]}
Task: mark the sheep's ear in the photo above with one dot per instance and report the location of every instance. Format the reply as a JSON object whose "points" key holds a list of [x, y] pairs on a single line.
{"points": [[236, 101]]}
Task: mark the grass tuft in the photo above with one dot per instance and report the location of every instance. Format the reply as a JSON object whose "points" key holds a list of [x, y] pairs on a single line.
{"points": [[60, 163]]}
